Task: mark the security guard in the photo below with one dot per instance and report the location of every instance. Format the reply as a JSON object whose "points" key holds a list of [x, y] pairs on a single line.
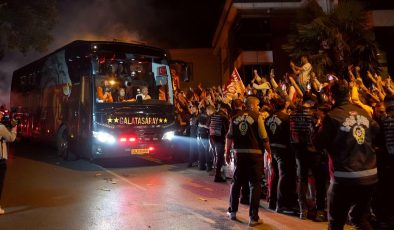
{"points": [[248, 138], [347, 133]]}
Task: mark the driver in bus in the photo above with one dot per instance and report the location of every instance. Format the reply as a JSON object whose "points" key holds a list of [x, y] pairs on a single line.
{"points": [[104, 92]]}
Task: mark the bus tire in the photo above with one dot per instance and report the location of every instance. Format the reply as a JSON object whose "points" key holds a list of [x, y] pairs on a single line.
{"points": [[63, 145]]}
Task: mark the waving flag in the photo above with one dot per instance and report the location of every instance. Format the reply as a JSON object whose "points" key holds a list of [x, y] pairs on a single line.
{"points": [[234, 86]]}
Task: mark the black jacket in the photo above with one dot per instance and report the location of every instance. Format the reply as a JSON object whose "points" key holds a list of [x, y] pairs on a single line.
{"points": [[347, 133]]}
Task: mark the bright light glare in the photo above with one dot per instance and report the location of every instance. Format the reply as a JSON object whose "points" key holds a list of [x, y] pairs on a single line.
{"points": [[104, 137], [169, 135]]}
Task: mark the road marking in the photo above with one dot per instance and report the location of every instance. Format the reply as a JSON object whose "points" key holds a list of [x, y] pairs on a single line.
{"points": [[122, 178]]}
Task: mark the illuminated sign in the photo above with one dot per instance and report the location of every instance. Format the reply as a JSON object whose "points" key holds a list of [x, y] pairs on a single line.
{"points": [[137, 120]]}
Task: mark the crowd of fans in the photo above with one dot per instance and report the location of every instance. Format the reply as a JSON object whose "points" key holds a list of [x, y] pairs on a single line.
{"points": [[296, 183]]}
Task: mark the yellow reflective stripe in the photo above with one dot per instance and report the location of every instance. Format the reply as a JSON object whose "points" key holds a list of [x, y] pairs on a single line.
{"points": [[356, 174], [256, 151]]}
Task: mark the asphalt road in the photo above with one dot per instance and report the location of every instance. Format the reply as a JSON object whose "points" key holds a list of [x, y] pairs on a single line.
{"points": [[43, 192]]}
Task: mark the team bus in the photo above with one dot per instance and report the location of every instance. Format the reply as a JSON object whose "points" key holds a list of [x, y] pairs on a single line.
{"points": [[97, 99]]}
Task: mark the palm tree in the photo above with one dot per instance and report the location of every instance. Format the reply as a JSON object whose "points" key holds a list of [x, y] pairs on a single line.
{"points": [[335, 39]]}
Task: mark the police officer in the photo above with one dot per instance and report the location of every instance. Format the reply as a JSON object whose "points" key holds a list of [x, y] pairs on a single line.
{"points": [[282, 192], [218, 127], [238, 106], [347, 132], [248, 138], [6, 135]]}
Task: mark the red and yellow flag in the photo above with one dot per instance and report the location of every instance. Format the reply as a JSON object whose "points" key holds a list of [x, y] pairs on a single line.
{"points": [[234, 86]]}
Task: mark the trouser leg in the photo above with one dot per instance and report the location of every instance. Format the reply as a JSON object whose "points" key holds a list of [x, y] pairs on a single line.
{"points": [[3, 169], [302, 173], [219, 151], [320, 175], [286, 197], [255, 173], [339, 202], [238, 177], [360, 209]]}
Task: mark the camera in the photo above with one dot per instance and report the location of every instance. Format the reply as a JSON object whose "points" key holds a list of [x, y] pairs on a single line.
{"points": [[7, 120]]}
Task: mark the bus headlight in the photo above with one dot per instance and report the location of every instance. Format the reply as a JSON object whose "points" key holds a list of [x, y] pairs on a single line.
{"points": [[104, 137], [169, 135]]}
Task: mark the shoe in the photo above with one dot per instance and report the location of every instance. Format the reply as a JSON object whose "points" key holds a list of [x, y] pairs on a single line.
{"points": [[303, 214], [2, 211], [321, 216], [232, 215], [219, 179], [254, 221]]}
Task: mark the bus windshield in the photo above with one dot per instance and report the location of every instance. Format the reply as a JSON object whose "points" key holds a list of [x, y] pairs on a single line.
{"points": [[131, 78]]}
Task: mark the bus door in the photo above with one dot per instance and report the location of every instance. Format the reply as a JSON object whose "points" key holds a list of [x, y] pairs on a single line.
{"points": [[85, 109]]}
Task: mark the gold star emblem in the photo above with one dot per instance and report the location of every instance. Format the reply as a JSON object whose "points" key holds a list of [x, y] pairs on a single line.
{"points": [[109, 120], [116, 120], [161, 120], [165, 120]]}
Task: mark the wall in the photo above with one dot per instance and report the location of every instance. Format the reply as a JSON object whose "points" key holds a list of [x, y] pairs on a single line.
{"points": [[206, 67]]}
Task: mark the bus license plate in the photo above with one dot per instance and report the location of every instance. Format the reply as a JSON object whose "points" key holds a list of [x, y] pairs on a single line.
{"points": [[139, 151]]}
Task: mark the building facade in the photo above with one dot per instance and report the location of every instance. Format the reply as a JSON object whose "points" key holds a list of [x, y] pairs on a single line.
{"points": [[250, 34]]}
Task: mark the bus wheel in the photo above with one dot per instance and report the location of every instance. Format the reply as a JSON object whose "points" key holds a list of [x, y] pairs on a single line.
{"points": [[63, 145]]}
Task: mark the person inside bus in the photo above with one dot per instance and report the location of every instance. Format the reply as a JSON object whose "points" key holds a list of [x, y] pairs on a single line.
{"points": [[145, 93], [121, 95], [104, 92]]}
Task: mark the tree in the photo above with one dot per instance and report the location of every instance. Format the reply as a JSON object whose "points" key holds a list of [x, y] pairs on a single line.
{"points": [[26, 25], [335, 39]]}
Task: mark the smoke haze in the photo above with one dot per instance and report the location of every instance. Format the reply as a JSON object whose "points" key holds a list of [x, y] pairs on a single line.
{"points": [[167, 24]]}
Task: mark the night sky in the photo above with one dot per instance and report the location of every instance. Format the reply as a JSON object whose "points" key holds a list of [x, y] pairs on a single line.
{"points": [[162, 23]]}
